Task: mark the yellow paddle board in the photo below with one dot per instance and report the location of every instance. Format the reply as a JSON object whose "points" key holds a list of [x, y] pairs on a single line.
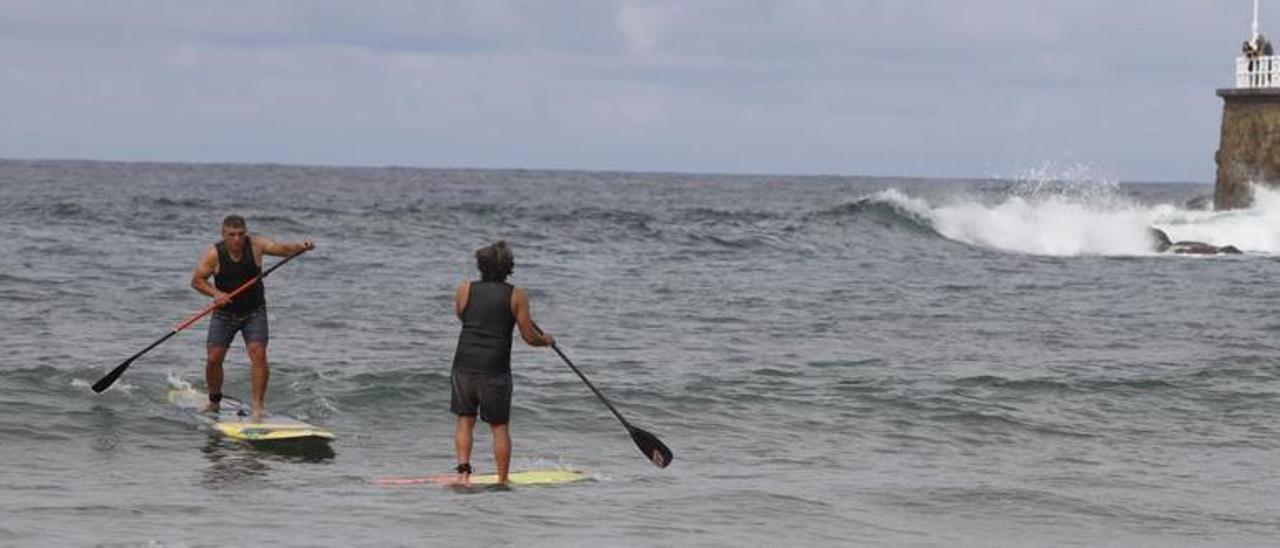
{"points": [[527, 477], [233, 420]]}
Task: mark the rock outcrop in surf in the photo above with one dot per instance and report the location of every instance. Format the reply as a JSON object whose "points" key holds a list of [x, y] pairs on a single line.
{"points": [[1200, 203], [1162, 244]]}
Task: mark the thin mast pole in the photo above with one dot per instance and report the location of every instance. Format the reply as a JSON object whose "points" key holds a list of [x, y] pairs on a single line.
{"points": [[1255, 20]]}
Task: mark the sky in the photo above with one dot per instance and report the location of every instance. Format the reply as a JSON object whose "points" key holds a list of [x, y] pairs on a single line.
{"points": [[932, 88]]}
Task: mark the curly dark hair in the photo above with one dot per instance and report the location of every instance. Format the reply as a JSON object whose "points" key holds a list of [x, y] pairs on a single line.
{"points": [[495, 261]]}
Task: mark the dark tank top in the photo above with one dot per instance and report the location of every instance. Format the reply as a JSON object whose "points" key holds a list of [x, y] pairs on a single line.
{"points": [[487, 322], [233, 274]]}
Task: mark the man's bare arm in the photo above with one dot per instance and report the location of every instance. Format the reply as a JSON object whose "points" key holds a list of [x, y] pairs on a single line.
{"points": [[282, 249], [524, 320], [460, 298], [207, 266]]}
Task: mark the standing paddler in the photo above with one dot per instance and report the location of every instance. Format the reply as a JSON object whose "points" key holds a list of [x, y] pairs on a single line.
{"points": [[232, 262], [481, 378]]}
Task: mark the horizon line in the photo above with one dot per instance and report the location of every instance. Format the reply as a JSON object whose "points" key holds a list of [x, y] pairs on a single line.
{"points": [[199, 163]]}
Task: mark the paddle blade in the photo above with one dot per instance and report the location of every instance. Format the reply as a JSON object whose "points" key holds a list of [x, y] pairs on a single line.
{"points": [[111, 377], [651, 447]]}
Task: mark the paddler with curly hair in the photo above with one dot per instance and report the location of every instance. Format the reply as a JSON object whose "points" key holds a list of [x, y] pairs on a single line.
{"points": [[490, 309]]}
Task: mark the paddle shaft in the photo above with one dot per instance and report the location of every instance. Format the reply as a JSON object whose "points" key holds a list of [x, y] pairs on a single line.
{"points": [[650, 446], [232, 295], [585, 380], [592, 387], [111, 377]]}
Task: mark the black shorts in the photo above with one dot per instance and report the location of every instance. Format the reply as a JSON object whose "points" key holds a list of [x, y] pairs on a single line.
{"points": [[224, 325], [490, 395]]}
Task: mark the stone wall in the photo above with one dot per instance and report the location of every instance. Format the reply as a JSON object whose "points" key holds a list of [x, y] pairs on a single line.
{"points": [[1249, 148]]}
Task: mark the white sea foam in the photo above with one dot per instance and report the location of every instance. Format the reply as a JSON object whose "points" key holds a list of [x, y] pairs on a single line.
{"points": [[175, 381], [118, 386], [1090, 218], [1053, 225], [1256, 229]]}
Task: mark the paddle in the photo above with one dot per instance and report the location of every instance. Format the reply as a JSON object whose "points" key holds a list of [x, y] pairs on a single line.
{"points": [[111, 377], [650, 446]]}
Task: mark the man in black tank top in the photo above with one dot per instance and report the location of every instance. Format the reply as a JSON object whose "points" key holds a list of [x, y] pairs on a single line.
{"points": [[490, 309], [232, 262]]}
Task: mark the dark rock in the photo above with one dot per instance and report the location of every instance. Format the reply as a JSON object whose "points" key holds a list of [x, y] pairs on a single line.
{"points": [[1161, 243], [1193, 248], [1159, 240], [1200, 203]]}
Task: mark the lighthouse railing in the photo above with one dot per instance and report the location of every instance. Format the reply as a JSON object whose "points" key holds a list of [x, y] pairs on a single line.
{"points": [[1262, 71]]}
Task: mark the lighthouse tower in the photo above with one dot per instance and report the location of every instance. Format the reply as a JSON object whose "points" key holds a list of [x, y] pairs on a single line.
{"points": [[1249, 148]]}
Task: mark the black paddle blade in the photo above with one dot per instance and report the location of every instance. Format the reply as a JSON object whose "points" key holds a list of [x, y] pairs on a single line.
{"points": [[111, 377], [651, 447]]}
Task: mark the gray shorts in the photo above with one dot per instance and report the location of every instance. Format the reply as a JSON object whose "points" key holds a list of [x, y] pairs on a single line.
{"points": [[224, 325], [483, 394]]}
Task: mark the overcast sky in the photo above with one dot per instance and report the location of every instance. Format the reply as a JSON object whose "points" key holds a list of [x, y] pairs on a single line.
{"points": [[952, 88]]}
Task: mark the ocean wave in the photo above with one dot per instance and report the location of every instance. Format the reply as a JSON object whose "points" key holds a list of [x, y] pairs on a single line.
{"points": [[726, 242], [423, 208], [1067, 221], [478, 208], [1254, 229], [1075, 216], [1065, 385], [611, 217], [1048, 225], [890, 209], [714, 215], [15, 279], [388, 388], [165, 202], [1018, 385], [28, 433], [55, 211], [277, 223]]}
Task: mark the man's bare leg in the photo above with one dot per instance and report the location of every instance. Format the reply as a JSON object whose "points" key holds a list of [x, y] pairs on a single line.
{"points": [[501, 450], [258, 377], [462, 443], [213, 375]]}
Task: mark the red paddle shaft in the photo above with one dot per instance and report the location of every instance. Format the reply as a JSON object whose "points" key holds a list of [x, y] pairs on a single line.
{"points": [[119, 370]]}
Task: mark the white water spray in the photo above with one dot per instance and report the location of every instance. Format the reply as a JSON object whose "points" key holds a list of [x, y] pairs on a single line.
{"points": [[1089, 218]]}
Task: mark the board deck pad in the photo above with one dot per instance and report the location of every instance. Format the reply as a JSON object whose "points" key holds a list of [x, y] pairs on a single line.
{"points": [[233, 420], [552, 476]]}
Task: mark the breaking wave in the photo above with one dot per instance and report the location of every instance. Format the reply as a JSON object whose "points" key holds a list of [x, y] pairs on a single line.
{"points": [[1074, 220]]}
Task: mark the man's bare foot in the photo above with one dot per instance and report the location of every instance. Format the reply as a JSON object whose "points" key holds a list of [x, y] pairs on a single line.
{"points": [[257, 414], [211, 408]]}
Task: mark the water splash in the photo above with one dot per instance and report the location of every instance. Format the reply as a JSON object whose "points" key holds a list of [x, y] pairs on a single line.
{"points": [[175, 381], [1253, 230], [1077, 215], [1048, 225], [119, 386], [1078, 182]]}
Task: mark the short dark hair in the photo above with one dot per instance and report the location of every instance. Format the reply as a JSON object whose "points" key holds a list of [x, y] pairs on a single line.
{"points": [[233, 221], [495, 261]]}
